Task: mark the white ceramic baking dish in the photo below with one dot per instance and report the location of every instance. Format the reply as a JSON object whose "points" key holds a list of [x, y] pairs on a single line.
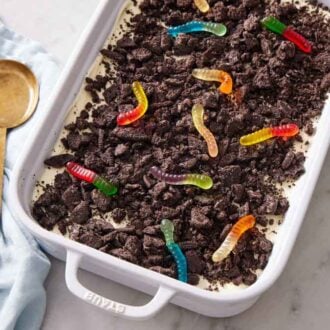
{"points": [[162, 288]]}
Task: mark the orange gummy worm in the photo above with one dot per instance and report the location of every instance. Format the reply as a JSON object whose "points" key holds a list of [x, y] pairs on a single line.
{"points": [[239, 228], [223, 77]]}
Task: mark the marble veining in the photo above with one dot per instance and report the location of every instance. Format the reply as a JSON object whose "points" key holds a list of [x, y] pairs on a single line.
{"points": [[300, 298]]}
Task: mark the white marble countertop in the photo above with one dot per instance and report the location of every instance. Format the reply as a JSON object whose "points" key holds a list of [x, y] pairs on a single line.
{"points": [[299, 299]]}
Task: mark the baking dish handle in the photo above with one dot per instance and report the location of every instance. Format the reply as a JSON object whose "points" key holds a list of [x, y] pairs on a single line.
{"points": [[162, 297]]}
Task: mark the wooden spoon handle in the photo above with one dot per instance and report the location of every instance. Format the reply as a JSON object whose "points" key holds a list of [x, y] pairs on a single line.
{"points": [[3, 132]]}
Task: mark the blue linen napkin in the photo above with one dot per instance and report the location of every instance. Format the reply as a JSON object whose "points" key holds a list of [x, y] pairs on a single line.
{"points": [[23, 267]]}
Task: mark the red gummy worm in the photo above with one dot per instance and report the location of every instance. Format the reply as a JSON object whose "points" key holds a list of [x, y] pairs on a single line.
{"points": [[80, 172], [301, 42]]}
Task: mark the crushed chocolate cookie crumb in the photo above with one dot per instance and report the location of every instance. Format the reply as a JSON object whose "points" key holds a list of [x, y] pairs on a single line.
{"points": [[59, 161]]}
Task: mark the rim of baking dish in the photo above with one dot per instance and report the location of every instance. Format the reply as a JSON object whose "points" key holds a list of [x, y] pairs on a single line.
{"points": [[281, 250]]}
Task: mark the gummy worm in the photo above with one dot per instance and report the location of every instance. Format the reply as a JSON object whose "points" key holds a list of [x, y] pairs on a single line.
{"points": [[89, 176], [223, 77], [167, 228], [198, 114], [202, 5], [239, 228], [194, 26], [131, 116], [264, 134], [274, 25], [199, 180]]}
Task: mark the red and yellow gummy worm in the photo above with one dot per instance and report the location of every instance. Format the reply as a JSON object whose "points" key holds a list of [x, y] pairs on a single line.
{"points": [[129, 117], [264, 134]]}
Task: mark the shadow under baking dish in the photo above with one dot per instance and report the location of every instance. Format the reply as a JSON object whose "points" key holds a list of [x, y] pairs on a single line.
{"points": [[230, 300]]}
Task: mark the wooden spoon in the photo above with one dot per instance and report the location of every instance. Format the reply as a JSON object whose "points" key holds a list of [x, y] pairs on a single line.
{"points": [[19, 94]]}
